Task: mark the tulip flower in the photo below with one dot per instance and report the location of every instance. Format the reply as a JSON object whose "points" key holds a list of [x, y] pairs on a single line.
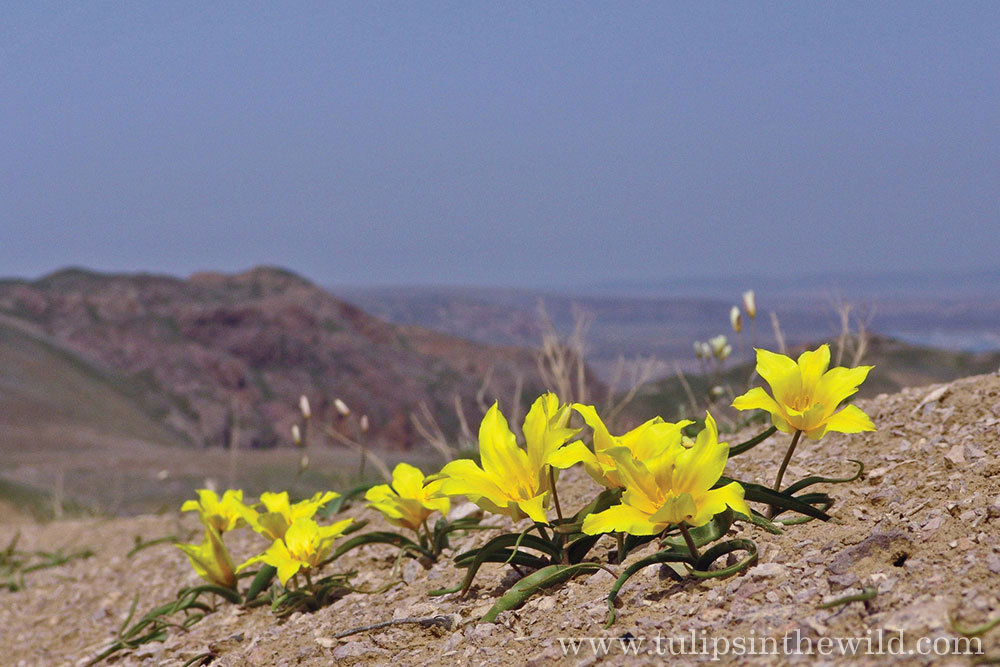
{"points": [[222, 515], [644, 442], [281, 513], [512, 481], [806, 395], [302, 548], [211, 560], [408, 501], [671, 488]]}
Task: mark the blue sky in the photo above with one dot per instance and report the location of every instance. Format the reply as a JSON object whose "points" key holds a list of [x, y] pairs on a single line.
{"points": [[493, 143]]}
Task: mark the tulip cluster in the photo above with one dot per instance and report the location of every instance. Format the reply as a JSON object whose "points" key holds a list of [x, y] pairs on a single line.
{"points": [[660, 482]]}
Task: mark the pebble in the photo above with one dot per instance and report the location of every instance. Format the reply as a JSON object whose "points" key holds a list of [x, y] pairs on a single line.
{"points": [[768, 570], [956, 455]]}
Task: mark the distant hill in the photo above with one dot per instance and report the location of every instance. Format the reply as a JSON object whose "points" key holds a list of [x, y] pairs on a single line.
{"points": [[178, 361], [632, 322]]}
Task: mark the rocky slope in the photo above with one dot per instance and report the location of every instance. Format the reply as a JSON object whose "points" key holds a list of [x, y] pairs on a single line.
{"points": [[920, 528], [215, 352]]}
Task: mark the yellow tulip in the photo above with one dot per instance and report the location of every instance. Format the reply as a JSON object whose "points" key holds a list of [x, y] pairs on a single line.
{"points": [[302, 548], [806, 395], [281, 513], [211, 560], [512, 481], [672, 488], [644, 442], [222, 515], [408, 501]]}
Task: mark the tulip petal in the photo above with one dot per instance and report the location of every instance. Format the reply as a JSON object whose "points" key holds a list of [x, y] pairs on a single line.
{"points": [[650, 439], [465, 478], [622, 519], [534, 508], [716, 500], [756, 399], [573, 453], [602, 438], [812, 365], [407, 480], [675, 510], [781, 373], [839, 383], [641, 490], [697, 469], [499, 451], [849, 420]]}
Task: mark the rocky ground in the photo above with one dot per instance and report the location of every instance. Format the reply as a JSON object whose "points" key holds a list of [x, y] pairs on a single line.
{"points": [[921, 527]]}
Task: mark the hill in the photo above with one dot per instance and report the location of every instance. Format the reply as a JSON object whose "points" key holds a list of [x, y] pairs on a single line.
{"points": [[220, 354]]}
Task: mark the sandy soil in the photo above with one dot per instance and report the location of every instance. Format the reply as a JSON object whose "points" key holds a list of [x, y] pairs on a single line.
{"points": [[921, 527]]}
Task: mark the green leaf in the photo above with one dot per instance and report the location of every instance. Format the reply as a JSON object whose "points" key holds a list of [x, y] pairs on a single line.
{"points": [[815, 479], [762, 494], [260, 582], [702, 571], [736, 450], [499, 550], [378, 537], [534, 582], [710, 532], [664, 556]]}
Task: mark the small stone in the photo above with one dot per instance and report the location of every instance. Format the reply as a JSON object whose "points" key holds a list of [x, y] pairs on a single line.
{"points": [[352, 650], [768, 570], [933, 524], [993, 562], [411, 570], [956, 455], [843, 580]]}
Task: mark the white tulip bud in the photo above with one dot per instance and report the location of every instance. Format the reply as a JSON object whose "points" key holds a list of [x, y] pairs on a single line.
{"points": [[749, 304], [341, 407], [304, 406], [296, 434], [364, 423], [735, 319], [717, 344]]}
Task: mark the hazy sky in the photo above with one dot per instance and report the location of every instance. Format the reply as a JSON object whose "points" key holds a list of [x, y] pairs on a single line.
{"points": [[522, 143]]}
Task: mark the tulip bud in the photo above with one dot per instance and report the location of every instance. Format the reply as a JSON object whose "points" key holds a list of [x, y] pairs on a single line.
{"points": [[304, 406], [296, 435], [698, 349], [364, 423], [735, 319], [749, 304], [341, 407], [717, 345]]}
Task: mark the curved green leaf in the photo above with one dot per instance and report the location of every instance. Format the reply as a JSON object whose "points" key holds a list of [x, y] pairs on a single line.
{"points": [[815, 479], [664, 556], [701, 569], [736, 450], [534, 582]]}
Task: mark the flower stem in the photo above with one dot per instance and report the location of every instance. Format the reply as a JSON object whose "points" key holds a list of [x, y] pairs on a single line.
{"points": [[620, 538], [555, 496], [784, 464], [788, 457], [690, 541]]}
